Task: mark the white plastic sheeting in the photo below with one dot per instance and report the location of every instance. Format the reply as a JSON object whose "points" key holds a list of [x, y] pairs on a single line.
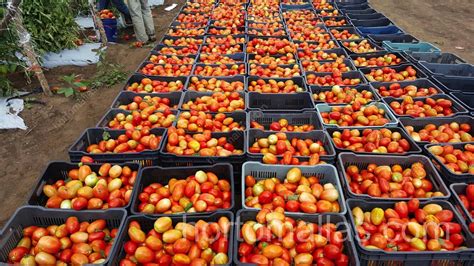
{"points": [[81, 56], [9, 110]]}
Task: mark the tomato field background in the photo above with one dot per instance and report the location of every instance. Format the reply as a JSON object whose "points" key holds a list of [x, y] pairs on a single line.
{"points": [[57, 124]]}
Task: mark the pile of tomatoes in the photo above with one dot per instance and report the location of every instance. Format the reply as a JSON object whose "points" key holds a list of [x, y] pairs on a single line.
{"points": [[73, 242], [296, 193], [202, 144], [132, 141], [169, 243], [201, 192], [110, 187], [276, 239], [409, 226], [392, 181]]}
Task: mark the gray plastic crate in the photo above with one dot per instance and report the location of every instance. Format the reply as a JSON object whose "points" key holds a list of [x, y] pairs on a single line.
{"points": [[457, 108], [295, 119], [420, 123], [339, 220], [410, 258], [324, 172], [346, 159], [323, 107], [26, 216], [254, 134]]}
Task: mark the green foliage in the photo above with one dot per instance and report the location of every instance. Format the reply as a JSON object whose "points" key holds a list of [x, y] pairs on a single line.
{"points": [[51, 24], [79, 7], [73, 85], [108, 74]]}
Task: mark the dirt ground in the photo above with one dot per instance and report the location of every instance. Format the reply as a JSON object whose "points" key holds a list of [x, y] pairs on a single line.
{"points": [[445, 23], [53, 127]]}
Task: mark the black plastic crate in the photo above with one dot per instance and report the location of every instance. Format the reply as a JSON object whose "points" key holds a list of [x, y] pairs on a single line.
{"points": [[231, 79], [419, 73], [254, 134], [238, 57], [238, 116], [344, 75], [295, 119], [414, 149], [156, 174], [398, 38], [466, 99], [126, 97], [138, 78], [360, 11], [147, 223], [346, 159], [167, 37], [456, 70], [192, 95], [455, 84], [410, 258], [340, 53], [390, 29], [365, 16], [26, 216], [94, 136], [456, 190], [337, 18], [378, 54], [296, 80], [282, 102], [449, 177], [217, 65], [359, 88], [146, 63], [350, 29], [437, 58], [353, 6], [235, 137], [326, 108], [419, 124], [59, 171], [457, 108], [372, 44], [371, 22], [420, 83], [110, 115], [288, 66], [341, 224]]}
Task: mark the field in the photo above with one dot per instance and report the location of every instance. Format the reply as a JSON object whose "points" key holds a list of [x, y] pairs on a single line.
{"points": [[53, 127]]}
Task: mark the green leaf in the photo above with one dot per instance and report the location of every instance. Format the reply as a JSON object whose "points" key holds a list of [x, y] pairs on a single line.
{"points": [[106, 135], [67, 91], [293, 197]]}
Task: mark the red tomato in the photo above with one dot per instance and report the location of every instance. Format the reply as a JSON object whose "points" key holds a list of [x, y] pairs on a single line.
{"points": [[292, 206], [332, 252], [265, 197]]}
